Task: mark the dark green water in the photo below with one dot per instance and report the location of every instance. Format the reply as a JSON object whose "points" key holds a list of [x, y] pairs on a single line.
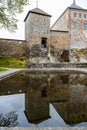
{"points": [[44, 100]]}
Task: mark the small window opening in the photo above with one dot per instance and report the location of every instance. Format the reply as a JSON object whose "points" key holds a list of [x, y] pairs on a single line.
{"points": [[80, 15], [75, 25], [85, 16], [44, 43], [75, 14], [85, 26]]}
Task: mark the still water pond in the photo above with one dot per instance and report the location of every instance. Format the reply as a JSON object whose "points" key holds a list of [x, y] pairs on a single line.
{"points": [[44, 100]]}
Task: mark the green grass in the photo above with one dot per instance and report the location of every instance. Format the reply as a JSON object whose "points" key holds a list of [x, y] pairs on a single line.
{"points": [[12, 62], [2, 69]]}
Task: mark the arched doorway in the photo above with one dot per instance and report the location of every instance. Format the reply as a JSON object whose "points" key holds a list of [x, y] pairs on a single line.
{"points": [[65, 56]]}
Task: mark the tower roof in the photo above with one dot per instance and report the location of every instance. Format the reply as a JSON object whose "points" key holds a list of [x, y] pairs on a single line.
{"points": [[37, 11], [74, 6]]}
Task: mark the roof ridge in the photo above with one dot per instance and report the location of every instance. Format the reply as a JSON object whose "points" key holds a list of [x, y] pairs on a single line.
{"points": [[37, 11], [74, 5]]}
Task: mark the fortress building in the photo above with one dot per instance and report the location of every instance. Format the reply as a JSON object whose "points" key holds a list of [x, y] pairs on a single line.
{"points": [[74, 19], [65, 41]]}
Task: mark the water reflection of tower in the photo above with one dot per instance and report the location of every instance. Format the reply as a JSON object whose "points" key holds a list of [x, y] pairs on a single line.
{"points": [[36, 111]]}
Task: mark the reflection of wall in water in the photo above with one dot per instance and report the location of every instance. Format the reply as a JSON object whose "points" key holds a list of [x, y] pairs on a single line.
{"points": [[47, 86], [75, 110], [72, 113], [36, 111], [78, 89], [51, 88], [77, 93]]}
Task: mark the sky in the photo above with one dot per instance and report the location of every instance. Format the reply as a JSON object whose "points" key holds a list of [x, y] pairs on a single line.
{"points": [[53, 7]]}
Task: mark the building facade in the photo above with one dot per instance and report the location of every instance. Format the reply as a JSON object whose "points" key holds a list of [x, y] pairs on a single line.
{"points": [[37, 33], [65, 41], [74, 19]]}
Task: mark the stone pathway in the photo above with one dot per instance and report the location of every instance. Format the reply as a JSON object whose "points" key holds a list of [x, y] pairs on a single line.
{"points": [[82, 70], [8, 72]]}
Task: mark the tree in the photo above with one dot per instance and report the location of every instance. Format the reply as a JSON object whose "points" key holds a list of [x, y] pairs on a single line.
{"points": [[9, 120], [8, 10]]}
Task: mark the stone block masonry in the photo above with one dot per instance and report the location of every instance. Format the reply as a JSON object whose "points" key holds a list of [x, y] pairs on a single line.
{"points": [[78, 46], [59, 39], [12, 47], [65, 41], [59, 42]]}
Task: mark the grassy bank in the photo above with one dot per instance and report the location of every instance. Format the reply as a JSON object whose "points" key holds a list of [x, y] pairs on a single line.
{"points": [[2, 69], [12, 62]]}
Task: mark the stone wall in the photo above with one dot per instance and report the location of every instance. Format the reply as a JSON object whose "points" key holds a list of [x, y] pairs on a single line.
{"points": [[36, 39], [37, 24], [62, 22], [34, 47], [59, 41], [12, 47], [37, 27], [78, 46], [79, 20]]}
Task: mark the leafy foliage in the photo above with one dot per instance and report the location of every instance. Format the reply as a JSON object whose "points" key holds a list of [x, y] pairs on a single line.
{"points": [[8, 10], [10, 119]]}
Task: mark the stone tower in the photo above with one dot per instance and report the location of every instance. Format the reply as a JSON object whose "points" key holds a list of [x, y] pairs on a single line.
{"points": [[37, 32]]}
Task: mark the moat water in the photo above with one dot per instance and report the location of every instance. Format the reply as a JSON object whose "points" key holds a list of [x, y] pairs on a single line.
{"points": [[44, 100]]}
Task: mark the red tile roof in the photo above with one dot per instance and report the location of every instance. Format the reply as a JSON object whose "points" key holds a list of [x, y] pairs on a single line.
{"points": [[37, 11]]}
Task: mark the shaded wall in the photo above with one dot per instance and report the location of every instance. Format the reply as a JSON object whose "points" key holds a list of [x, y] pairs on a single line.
{"points": [[10, 47], [59, 41], [78, 46], [37, 27]]}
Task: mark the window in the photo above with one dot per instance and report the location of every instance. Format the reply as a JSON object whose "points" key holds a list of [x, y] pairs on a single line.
{"points": [[85, 26], [75, 14], [85, 16], [75, 25], [44, 30], [80, 15], [35, 29], [44, 43], [44, 19]]}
